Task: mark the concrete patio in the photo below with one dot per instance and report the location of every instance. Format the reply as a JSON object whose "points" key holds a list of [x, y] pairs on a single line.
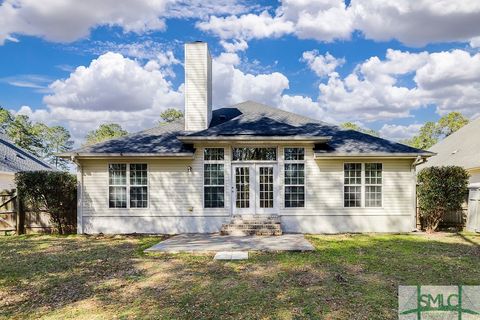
{"points": [[212, 243]]}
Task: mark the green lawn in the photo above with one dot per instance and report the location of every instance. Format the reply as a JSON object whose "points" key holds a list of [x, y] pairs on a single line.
{"points": [[347, 277]]}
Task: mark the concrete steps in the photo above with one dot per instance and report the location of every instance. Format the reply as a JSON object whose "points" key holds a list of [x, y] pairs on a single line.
{"points": [[253, 225]]}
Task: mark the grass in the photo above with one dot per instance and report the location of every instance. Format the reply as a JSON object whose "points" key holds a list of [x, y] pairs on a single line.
{"points": [[347, 277]]}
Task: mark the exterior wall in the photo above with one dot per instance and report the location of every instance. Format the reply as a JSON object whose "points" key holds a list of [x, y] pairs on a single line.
{"points": [[198, 86], [176, 198], [474, 175], [7, 180]]}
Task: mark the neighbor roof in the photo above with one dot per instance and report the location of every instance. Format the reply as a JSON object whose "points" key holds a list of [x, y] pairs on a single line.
{"points": [[461, 148], [15, 159], [248, 120]]}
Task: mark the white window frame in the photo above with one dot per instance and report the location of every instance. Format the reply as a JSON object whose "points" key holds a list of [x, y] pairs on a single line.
{"points": [[304, 185], [203, 178], [363, 185], [372, 185], [128, 186]]}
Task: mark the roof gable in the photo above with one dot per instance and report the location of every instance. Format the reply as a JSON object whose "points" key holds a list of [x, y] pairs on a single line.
{"points": [[249, 119], [461, 148], [15, 159]]}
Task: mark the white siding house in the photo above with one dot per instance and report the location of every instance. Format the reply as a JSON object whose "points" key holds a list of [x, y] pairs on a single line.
{"points": [[194, 175]]}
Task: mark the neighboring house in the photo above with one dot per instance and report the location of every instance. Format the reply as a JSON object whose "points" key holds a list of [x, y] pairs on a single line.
{"points": [[249, 159], [462, 148], [14, 159]]}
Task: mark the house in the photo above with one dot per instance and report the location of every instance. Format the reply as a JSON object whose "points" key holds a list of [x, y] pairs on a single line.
{"points": [[248, 160], [462, 148], [14, 159]]}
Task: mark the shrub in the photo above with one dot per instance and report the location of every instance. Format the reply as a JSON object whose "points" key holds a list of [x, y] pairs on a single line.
{"points": [[52, 191], [441, 190]]}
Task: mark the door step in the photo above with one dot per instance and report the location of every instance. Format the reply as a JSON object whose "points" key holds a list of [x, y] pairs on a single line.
{"points": [[253, 225]]}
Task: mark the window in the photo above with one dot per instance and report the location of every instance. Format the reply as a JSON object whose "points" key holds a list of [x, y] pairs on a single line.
{"points": [[373, 184], [138, 186], [352, 190], [254, 154], [214, 178], [121, 189], [117, 190], [294, 177]]}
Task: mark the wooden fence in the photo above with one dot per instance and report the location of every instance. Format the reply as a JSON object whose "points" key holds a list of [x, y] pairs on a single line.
{"points": [[15, 218], [455, 220]]}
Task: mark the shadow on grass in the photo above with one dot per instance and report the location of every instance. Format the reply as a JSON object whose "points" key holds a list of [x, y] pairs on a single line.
{"points": [[348, 276]]}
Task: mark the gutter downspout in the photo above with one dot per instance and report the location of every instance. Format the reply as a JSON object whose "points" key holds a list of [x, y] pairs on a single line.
{"points": [[418, 161], [79, 195]]}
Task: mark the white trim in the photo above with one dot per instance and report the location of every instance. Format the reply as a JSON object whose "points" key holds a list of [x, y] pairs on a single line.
{"points": [[363, 185], [254, 138], [79, 199], [127, 185], [378, 155], [224, 177], [304, 177], [254, 184]]}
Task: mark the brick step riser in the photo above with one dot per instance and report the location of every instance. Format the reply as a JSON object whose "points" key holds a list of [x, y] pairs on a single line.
{"points": [[254, 222], [237, 227], [251, 233]]}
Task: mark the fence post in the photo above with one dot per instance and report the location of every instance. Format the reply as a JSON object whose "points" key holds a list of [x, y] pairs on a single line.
{"points": [[20, 215]]}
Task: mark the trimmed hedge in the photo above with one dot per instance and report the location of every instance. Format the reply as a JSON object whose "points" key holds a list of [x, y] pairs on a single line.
{"points": [[52, 191], [440, 190]]}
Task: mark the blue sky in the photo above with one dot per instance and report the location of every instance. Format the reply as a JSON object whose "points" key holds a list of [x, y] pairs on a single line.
{"points": [[388, 65]]}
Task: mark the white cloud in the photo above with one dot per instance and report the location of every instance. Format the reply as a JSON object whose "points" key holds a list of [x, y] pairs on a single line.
{"points": [[111, 82], [322, 65], [248, 26], [114, 88], [399, 132], [234, 46], [414, 23], [69, 20], [418, 22], [391, 88], [231, 85]]}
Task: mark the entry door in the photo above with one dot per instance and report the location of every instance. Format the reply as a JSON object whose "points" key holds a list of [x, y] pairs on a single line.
{"points": [[254, 188]]}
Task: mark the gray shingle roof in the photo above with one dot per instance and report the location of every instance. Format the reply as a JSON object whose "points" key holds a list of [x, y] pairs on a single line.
{"points": [[462, 148], [250, 119], [15, 159]]}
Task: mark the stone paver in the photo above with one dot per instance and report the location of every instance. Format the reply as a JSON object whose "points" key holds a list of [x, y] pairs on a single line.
{"points": [[212, 243], [231, 255]]}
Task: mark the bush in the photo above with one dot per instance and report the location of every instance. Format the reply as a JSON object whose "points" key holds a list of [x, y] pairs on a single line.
{"points": [[52, 191], [441, 190]]}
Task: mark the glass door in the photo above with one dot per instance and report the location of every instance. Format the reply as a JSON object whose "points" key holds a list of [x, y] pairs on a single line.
{"points": [[254, 188], [265, 189], [243, 191]]}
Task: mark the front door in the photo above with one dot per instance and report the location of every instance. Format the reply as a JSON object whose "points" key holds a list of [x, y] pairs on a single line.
{"points": [[254, 188]]}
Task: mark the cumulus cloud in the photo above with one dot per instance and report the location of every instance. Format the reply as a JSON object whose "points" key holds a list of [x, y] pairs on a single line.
{"points": [[231, 85], [69, 20], [391, 88], [248, 26], [112, 82], [322, 65], [399, 132], [418, 22], [234, 46], [414, 23], [114, 88]]}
